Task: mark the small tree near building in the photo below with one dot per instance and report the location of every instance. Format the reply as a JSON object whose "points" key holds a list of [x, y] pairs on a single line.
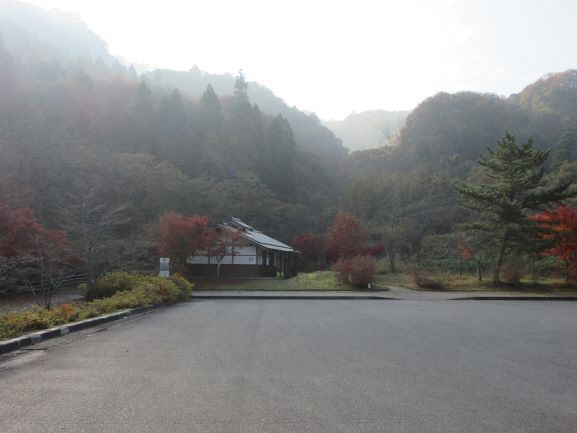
{"points": [[312, 247], [220, 244], [180, 237]]}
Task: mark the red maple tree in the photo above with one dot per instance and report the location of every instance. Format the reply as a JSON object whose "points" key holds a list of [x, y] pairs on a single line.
{"points": [[375, 249], [312, 247], [32, 253], [561, 228], [180, 236], [221, 243], [346, 237]]}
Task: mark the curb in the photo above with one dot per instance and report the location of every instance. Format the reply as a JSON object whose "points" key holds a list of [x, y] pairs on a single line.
{"points": [[516, 298], [301, 297], [62, 330]]}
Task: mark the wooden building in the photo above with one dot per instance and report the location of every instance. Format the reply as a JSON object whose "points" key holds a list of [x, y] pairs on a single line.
{"points": [[251, 254]]}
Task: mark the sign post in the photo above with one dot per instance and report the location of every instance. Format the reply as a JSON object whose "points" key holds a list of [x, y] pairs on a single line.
{"points": [[164, 267]]}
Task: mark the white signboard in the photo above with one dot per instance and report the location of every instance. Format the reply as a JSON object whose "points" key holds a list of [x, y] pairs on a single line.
{"points": [[164, 267]]}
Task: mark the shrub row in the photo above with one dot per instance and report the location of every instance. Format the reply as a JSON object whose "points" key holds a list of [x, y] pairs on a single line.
{"points": [[135, 291]]}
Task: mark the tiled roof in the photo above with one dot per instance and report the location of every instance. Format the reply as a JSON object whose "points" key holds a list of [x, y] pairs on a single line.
{"points": [[257, 237]]}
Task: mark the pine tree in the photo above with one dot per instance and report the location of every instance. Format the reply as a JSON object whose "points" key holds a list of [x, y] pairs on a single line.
{"points": [[281, 152], [511, 187], [241, 88], [210, 111]]}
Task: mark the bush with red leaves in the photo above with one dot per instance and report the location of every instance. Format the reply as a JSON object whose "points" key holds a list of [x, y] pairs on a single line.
{"points": [[357, 271]]}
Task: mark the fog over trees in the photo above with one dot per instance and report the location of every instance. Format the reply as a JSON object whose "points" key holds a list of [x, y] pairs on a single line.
{"points": [[80, 131]]}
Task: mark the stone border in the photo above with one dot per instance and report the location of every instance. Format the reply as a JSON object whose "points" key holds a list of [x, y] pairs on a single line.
{"points": [[296, 297], [62, 330], [516, 298]]}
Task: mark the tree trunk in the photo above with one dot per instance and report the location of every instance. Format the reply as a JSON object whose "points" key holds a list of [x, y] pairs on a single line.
{"points": [[392, 263], [479, 272], [218, 270], [499, 260]]}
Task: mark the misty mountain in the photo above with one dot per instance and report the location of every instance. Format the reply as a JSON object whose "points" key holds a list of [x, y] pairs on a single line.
{"points": [[310, 135], [24, 25], [368, 129], [76, 128], [405, 190], [84, 127]]}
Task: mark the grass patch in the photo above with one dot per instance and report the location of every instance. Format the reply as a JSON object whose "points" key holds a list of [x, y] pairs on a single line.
{"points": [[397, 279], [319, 280], [469, 283], [138, 291]]}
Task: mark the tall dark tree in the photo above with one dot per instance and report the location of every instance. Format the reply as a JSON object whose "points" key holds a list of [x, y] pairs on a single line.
{"points": [[241, 89], [210, 111], [7, 84], [511, 186], [281, 150]]}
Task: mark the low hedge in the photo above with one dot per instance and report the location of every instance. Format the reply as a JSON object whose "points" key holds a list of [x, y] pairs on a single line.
{"points": [[137, 291]]}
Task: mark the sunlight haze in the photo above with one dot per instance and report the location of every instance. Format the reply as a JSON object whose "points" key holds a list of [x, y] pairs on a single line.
{"points": [[335, 57]]}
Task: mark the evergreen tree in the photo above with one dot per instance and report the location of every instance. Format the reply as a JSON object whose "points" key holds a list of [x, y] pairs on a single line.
{"points": [[241, 88], [511, 188], [240, 104], [210, 111], [282, 149]]}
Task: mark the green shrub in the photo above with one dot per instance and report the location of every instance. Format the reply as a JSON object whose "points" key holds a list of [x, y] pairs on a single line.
{"points": [[183, 284], [130, 291], [112, 283]]}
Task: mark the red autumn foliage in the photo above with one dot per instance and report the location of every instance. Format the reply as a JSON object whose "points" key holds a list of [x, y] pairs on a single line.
{"points": [[181, 237], [375, 250], [221, 243], [356, 271], [309, 245], [346, 237], [463, 250], [33, 254], [21, 235], [561, 226]]}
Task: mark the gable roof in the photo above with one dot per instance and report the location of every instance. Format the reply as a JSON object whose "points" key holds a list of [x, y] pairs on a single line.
{"points": [[255, 236]]}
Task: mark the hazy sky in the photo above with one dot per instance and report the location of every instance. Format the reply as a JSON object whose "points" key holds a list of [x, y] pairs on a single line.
{"points": [[334, 57]]}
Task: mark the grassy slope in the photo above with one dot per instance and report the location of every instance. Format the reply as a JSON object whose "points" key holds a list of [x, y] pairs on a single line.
{"points": [[470, 283], [321, 280]]}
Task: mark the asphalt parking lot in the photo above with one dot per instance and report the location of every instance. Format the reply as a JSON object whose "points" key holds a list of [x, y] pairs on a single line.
{"points": [[305, 366]]}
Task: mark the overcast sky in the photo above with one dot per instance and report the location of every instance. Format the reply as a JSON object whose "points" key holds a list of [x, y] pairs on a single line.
{"points": [[334, 57]]}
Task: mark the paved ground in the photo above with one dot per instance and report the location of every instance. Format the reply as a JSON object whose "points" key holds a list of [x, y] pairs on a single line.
{"points": [[271, 366]]}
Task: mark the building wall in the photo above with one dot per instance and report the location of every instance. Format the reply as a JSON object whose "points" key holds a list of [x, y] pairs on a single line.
{"points": [[244, 255], [232, 271], [249, 261]]}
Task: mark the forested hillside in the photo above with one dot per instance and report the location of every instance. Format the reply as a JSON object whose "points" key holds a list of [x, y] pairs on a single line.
{"points": [[406, 191], [84, 131], [310, 135], [82, 136]]}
